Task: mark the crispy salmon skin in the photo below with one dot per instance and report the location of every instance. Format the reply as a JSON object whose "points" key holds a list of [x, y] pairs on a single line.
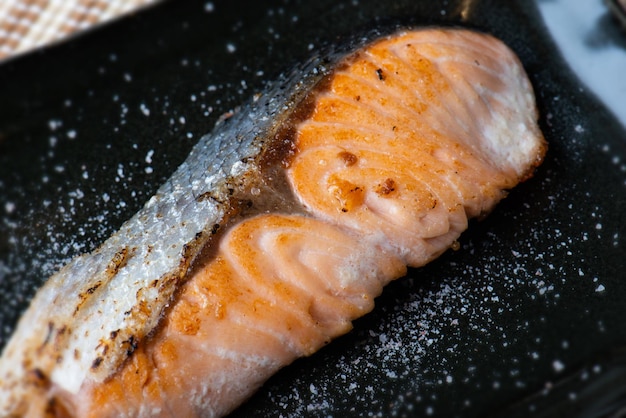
{"points": [[280, 229]]}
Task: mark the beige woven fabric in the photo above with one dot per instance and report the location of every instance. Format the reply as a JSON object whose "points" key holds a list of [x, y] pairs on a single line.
{"points": [[27, 24]]}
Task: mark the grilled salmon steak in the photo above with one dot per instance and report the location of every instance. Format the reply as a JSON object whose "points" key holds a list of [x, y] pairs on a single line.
{"points": [[281, 228]]}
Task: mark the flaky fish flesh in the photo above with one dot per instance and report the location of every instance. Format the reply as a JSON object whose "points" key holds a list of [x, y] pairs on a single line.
{"points": [[280, 229]]}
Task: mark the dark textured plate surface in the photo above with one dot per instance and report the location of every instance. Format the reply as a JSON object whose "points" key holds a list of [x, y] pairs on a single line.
{"points": [[527, 316]]}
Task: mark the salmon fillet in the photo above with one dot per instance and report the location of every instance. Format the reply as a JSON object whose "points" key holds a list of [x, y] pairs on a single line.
{"points": [[280, 229]]}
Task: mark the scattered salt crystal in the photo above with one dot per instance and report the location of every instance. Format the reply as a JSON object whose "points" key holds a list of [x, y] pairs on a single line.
{"points": [[230, 47], [149, 156], [71, 134], [54, 124], [9, 207], [209, 7], [558, 366], [600, 288], [144, 109]]}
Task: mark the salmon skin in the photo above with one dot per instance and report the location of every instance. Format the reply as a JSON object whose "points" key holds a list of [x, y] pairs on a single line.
{"points": [[280, 229]]}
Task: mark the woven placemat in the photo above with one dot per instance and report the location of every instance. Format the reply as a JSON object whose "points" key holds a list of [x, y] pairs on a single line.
{"points": [[28, 24]]}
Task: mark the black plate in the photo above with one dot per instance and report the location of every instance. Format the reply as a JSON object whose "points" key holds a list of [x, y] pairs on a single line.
{"points": [[526, 316]]}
